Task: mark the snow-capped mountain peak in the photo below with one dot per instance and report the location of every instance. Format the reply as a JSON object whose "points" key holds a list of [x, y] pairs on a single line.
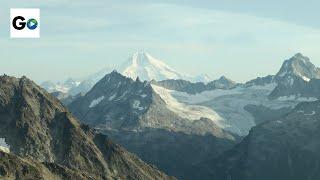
{"points": [[222, 83], [224, 78], [142, 58], [140, 66], [296, 77], [205, 78], [300, 66], [60, 86], [147, 68]]}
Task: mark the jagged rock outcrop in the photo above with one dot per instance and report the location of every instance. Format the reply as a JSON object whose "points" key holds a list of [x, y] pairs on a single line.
{"points": [[15, 167], [118, 102], [38, 127], [260, 81], [297, 77]]}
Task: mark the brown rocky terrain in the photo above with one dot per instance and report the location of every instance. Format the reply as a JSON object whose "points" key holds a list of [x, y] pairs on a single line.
{"points": [[47, 142]]}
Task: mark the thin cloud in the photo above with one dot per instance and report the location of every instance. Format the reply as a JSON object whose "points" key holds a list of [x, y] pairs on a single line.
{"points": [[182, 35]]}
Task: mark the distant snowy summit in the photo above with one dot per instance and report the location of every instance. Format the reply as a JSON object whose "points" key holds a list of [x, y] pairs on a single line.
{"points": [[300, 66], [148, 68], [205, 78], [229, 105], [63, 87], [297, 77], [140, 64]]}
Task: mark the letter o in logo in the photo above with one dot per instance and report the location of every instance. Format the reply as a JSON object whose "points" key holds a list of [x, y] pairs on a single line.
{"points": [[32, 24]]}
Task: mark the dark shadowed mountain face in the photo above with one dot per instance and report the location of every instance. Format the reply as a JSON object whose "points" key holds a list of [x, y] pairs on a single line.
{"points": [[173, 152], [260, 81], [222, 83], [38, 128], [197, 87], [114, 102], [286, 148], [182, 85], [263, 114], [135, 116]]}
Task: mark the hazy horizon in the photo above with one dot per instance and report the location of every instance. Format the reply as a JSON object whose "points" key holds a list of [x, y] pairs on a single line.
{"points": [[239, 40]]}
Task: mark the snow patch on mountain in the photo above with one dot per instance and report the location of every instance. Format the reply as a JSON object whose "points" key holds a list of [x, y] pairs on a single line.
{"points": [[4, 147], [96, 102], [305, 78], [310, 114], [201, 78], [296, 98], [136, 105], [60, 89], [307, 114], [112, 97]]}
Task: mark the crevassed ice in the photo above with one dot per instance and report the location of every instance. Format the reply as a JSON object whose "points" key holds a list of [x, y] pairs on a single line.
{"points": [[228, 105], [191, 112]]}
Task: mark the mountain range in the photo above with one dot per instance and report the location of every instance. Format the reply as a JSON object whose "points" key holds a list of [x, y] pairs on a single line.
{"points": [[140, 64], [43, 140], [136, 115], [265, 128], [158, 109], [220, 112]]}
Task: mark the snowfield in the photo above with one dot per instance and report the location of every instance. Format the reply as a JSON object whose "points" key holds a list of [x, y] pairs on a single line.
{"points": [[147, 68], [191, 112], [226, 107]]}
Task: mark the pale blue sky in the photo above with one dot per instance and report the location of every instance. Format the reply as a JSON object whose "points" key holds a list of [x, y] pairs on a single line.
{"points": [[239, 39]]}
